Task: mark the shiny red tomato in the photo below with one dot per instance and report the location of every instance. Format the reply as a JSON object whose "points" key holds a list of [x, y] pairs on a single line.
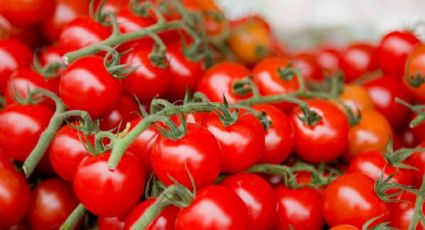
{"points": [[356, 60], [328, 59], [258, 197], [198, 150], [123, 112], [13, 55], [164, 221], [86, 85], [24, 13], [50, 55], [299, 208], [21, 127], [327, 139], [5, 162], [393, 50], [344, 227], [415, 68], [351, 199], [269, 82], [417, 160], [418, 132], [95, 183], [242, 143], [307, 64], [279, 135], [384, 91], [129, 22], [402, 212], [214, 208], [51, 203], [14, 197], [218, 81], [110, 223]]}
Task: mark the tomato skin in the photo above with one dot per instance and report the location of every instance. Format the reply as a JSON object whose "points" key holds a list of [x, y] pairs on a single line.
{"points": [[218, 81], [356, 97], [417, 160], [87, 85], [279, 136], [394, 49], [95, 183], [5, 162], [241, 143], [164, 221], [356, 60], [168, 157], [24, 13], [350, 199], [147, 81], [258, 197], [415, 64], [14, 55], [124, 111], [402, 212], [51, 54], [52, 201], [113, 6], [14, 198], [268, 81], [220, 206], [344, 227], [110, 223], [129, 22], [308, 66], [21, 127], [184, 73], [324, 141], [383, 92], [82, 32], [300, 208], [328, 59], [418, 132]]}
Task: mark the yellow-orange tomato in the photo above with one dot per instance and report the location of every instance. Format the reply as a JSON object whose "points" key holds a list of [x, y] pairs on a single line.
{"points": [[415, 68], [356, 98], [372, 132], [344, 227]]}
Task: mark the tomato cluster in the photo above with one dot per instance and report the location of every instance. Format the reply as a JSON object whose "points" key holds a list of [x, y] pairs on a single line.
{"points": [[167, 115]]}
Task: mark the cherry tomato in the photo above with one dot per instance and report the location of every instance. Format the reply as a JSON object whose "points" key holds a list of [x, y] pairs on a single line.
{"points": [[307, 64], [214, 208], [344, 227], [218, 81], [299, 208], [87, 85], [371, 133], [279, 135], [5, 162], [51, 203], [50, 55], [124, 111], [402, 212], [242, 143], [269, 82], [129, 22], [356, 60], [356, 97], [213, 24], [184, 73], [258, 197], [164, 221], [64, 12], [13, 55], [418, 132], [110, 223], [24, 13], [327, 139], [198, 151], [328, 59], [82, 32], [417, 160], [147, 81], [415, 67], [21, 127], [383, 92], [95, 183], [351, 199], [67, 151], [406, 137], [393, 50], [14, 197]]}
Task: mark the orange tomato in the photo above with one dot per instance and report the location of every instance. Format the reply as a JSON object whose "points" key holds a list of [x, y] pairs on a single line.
{"points": [[356, 98], [415, 68], [344, 227]]}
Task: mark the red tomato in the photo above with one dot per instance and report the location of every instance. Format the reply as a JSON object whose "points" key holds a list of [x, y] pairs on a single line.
{"points": [[344, 227], [214, 208], [21, 127], [124, 111], [218, 81], [325, 140], [51, 54], [164, 221], [351, 199], [110, 223], [113, 6], [13, 55], [383, 92], [128, 22], [14, 197], [393, 50], [95, 183], [356, 60], [147, 81], [418, 132], [64, 12], [407, 140], [67, 151], [52, 202], [402, 212], [308, 65], [415, 67], [242, 143], [184, 73], [86, 85], [199, 150], [5, 162], [417, 160], [258, 197], [269, 82], [82, 32], [279, 140], [328, 59], [299, 208], [24, 13]]}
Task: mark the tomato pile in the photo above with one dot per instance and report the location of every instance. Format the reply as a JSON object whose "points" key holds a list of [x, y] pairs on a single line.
{"points": [[165, 114]]}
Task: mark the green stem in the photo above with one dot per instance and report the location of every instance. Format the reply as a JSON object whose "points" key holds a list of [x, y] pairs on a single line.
{"points": [[73, 219], [420, 198]]}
